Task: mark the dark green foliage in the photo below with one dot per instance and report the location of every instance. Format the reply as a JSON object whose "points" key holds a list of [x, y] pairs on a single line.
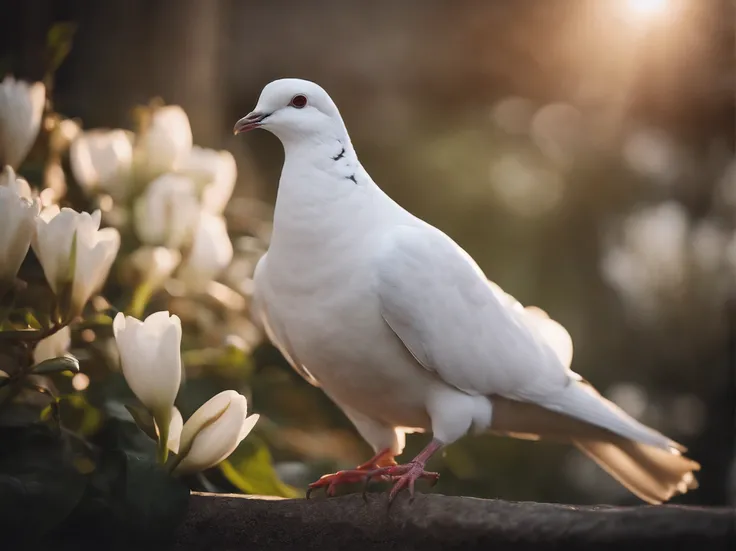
{"points": [[39, 483], [51, 481]]}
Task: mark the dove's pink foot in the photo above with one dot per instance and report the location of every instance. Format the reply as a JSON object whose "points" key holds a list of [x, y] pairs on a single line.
{"points": [[406, 475], [384, 458]]}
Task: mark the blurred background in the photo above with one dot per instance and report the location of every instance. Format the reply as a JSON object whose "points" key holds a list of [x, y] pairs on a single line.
{"points": [[582, 151]]}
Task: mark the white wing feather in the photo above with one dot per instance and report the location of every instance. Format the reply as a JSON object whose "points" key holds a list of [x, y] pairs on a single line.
{"points": [[463, 327], [478, 338]]}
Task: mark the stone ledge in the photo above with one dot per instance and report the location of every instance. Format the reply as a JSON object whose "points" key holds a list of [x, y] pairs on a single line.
{"points": [[432, 521]]}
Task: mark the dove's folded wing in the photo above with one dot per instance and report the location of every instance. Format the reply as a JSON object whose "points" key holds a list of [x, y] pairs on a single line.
{"points": [[463, 327]]}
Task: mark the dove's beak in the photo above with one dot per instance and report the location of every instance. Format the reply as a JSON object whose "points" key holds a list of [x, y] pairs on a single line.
{"points": [[249, 122]]}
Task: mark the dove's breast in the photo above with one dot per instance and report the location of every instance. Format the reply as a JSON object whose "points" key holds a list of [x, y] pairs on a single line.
{"points": [[325, 315]]}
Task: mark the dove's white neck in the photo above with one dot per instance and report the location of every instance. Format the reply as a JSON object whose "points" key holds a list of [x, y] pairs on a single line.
{"points": [[326, 200]]}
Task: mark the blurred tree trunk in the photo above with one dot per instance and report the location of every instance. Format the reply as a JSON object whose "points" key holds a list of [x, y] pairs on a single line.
{"points": [[131, 51]]}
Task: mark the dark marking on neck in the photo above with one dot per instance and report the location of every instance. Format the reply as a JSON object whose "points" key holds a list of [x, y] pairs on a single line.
{"points": [[339, 155], [353, 178]]}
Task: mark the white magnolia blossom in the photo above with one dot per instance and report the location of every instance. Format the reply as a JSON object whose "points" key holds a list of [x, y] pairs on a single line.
{"points": [[54, 346], [75, 254], [102, 159], [214, 431], [215, 173], [17, 224], [166, 214], [166, 141], [150, 356], [211, 252], [21, 109], [10, 179], [155, 264]]}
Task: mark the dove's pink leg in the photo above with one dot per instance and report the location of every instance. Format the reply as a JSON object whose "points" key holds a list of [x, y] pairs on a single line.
{"points": [[383, 458], [406, 475]]}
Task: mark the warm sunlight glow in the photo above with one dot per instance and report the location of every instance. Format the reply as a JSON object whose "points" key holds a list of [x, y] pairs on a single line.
{"points": [[647, 8]]}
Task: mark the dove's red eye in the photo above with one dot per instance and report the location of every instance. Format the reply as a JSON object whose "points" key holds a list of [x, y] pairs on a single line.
{"points": [[298, 101]]}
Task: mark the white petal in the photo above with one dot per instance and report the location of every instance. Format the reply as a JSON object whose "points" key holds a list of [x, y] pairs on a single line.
{"points": [[166, 141], [248, 425], [164, 214], [96, 251], [207, 412], [17, 227], [53, 243], [211, 252], [155, 264], [54, 346], [103, 158], [21, 109], [151, 359], [216, 441]]}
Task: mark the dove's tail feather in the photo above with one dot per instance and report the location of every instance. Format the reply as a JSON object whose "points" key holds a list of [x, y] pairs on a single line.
{"points": [[646, 462], [653, 474], [581, 401]]}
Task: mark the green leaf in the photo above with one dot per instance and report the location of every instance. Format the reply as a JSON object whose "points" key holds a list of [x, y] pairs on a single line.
{"points": [[125, 435], [59, 42], [79, 415], [144, 420], [32, 321], [39, 485], [57, 365], [105, 487], [250, 469]]}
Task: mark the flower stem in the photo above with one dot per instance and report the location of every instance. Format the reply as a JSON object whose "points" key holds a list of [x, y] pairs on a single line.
{"points": [[141, 296], [163, 445]]}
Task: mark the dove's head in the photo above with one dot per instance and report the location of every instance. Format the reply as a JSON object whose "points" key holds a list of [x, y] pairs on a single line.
{"points": [[294, 109]]}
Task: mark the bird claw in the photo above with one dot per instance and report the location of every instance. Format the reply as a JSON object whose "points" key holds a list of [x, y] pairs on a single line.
{"points": [[404, 476], [331, 481]]}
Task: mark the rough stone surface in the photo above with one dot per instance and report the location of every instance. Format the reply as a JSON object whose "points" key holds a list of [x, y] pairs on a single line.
{"points": [[237, 523]]}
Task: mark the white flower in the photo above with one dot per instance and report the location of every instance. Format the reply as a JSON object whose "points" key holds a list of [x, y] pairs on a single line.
{"points": [[214, 431], [103, 159], [215, 173], [174, 430], [164, 215], [47, 213], [10, 179], [54, 346], [75, 254], [155, 264], [211, 252], [21, 108], [166, 141], [151, 361], [17, 224]]}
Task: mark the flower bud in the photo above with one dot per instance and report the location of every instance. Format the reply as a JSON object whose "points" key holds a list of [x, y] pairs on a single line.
{"points": [[214, 172], [166, 141], [21, 109], [164, 214], [75, 254], [150, 356], [211, 252], [102, 159], [214, 431], [17, 225]]}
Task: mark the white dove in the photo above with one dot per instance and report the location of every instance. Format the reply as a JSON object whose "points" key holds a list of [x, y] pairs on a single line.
{"points": [[402, 330]]}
